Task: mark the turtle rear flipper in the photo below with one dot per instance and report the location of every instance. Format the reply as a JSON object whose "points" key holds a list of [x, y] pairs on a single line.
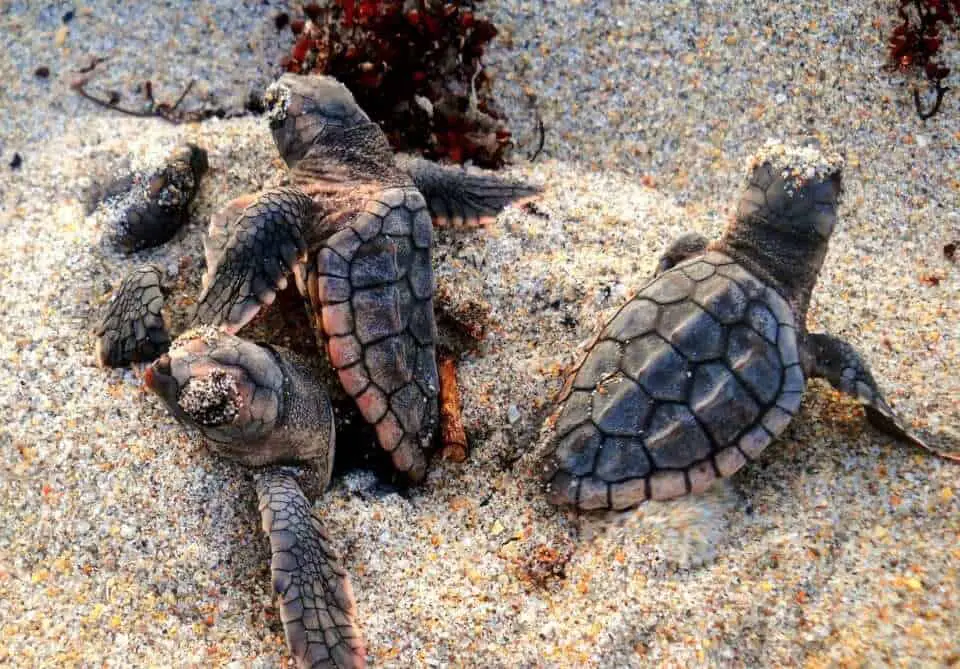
{"points": [[132, 327], [839, 363], [461, 199], [251, 258], [317, 605]]}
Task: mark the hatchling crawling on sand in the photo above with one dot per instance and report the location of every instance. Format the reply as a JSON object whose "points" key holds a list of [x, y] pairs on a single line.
{"points": [[707, 363], [355, 231]]}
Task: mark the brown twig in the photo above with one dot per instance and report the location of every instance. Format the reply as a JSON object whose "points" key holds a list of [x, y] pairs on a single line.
{"points": [[96, 60], [451, 423], [167, 112], [182, 95], [543, 138]]}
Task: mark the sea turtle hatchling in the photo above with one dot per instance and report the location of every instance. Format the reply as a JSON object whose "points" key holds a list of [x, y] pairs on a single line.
{"points": [[262, 407], [707, 363]]}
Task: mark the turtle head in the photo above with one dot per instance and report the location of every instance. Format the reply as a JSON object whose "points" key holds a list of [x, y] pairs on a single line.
{"points": [[307, 110], [228, 388], [793, 190], [787, 213]]}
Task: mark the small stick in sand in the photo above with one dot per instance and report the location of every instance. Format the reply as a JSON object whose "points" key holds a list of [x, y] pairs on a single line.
{"points": [[163, 110], [451, 423]]}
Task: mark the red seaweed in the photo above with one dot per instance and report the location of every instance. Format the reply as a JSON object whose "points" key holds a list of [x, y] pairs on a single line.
{"points": [[415, 66], [916, 41]]}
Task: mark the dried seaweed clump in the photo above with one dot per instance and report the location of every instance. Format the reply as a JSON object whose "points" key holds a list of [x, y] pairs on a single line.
{"points": [[916, 41], [415, 67]]}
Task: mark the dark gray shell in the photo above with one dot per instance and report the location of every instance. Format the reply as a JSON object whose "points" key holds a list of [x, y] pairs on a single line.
{"points": [[693, 377], [375, 289]]}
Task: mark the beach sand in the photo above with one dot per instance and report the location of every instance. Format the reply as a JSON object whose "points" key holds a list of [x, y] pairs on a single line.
{"points": [[124, 543]]}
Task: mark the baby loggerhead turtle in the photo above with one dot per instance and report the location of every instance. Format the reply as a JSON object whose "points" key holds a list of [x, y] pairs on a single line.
{"points": [[261, 406], [356, 232], [707, 363]]}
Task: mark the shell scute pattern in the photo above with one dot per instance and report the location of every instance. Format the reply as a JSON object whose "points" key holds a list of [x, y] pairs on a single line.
{"points": [[698, 270], [675, 437], [375, 286], [694, 332], [621, 407], [622, 458], [721, 403], [579, 449], [668, 287], [755, 361], [637, 317], [722, 298], [662, 371], [687, 382], [602, 361]]}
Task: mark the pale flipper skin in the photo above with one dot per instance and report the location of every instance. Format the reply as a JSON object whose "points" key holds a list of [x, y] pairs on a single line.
{"points": [[260, 406], [839, 363], [459, 198], [132, 327], [316, 601], [251, 259]]}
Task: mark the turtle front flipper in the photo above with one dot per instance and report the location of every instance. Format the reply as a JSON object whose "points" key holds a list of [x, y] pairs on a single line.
{"points": [[461, 199], [132, 328], [147, 208], [682, 248], [839, 363], [316, 600], [218, 231], [252, 257]]}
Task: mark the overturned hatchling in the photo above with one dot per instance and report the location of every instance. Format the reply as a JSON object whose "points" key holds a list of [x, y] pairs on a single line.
{"points": [[261, 406]]}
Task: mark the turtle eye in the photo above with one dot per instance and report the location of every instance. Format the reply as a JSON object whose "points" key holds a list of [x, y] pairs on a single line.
{"points": [[211, 400]]}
